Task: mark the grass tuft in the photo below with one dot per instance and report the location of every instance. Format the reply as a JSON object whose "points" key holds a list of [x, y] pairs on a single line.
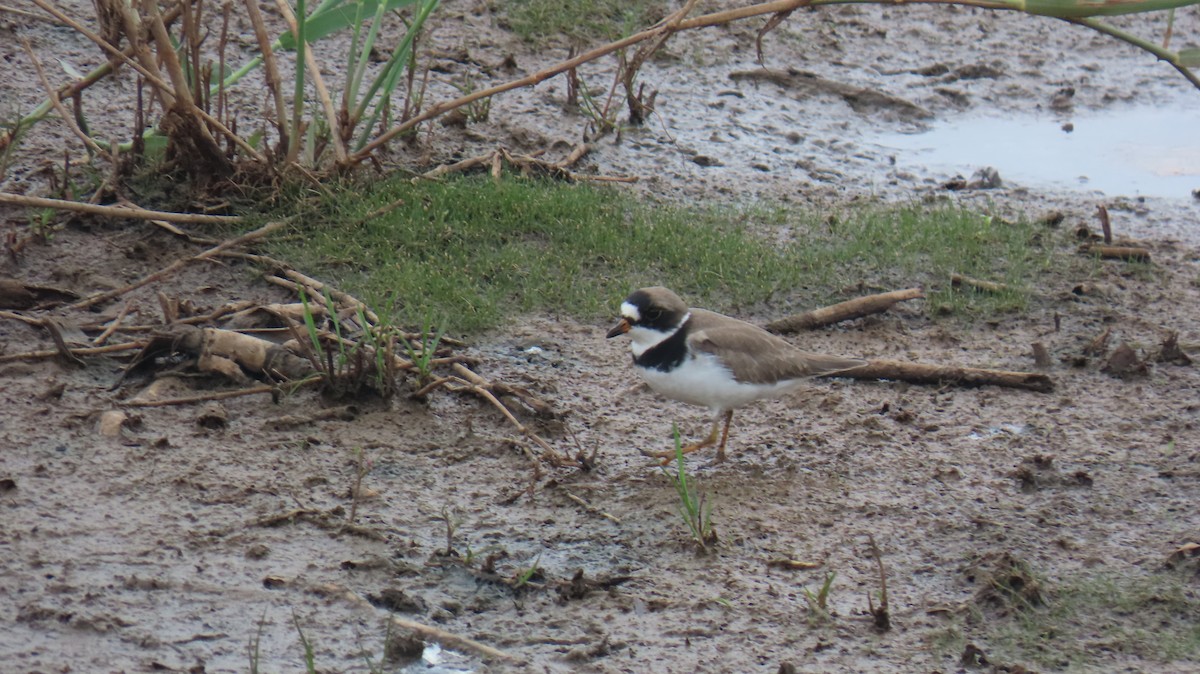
{"points": [[479, 252], [1086, 619], [694, 508]]}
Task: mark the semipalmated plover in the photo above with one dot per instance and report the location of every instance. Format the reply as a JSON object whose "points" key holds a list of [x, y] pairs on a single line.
{"points": [[705, 358]]}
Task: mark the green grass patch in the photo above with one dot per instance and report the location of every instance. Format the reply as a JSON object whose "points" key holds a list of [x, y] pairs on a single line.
{"points": [[580, 20], [1086, 619], [477, 253]]}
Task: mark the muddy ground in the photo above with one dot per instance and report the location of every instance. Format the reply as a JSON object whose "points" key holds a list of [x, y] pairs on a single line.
{"points": [[179, 544]]}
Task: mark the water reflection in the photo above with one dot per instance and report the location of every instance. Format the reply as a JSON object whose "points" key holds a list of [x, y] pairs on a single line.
{"points": [[1136, 151]]}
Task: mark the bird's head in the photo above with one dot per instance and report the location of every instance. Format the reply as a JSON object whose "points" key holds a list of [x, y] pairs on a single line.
{"points": [[649, 314]]}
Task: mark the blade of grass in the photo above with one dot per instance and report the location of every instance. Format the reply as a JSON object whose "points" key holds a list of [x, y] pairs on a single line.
{"points": [[388, 78], [298, 86]]}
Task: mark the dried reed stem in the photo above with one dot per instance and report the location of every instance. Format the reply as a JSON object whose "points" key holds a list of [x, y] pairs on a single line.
{"points": [[117, 211], [335, 136], [150, 76], [274, 82], [67, 117]]}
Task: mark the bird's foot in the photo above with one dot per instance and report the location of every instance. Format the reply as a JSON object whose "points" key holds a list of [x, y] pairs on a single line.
{"points": [[667, 456]]}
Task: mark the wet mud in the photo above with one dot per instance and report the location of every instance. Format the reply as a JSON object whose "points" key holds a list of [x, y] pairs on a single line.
{"points": [[200, 541]]}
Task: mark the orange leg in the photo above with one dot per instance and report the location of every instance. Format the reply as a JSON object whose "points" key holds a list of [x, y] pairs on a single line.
{"points": [[709, 441], [724, 436]]}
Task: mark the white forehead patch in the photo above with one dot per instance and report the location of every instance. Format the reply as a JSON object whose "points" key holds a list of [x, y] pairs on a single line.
{"points": [[630, 312]]}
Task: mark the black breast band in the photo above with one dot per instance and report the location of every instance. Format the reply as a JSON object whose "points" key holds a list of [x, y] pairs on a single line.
{"points": [[667, 354]]}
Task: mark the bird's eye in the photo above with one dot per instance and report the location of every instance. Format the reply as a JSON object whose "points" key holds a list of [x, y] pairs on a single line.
{"points": [[654, 314]]}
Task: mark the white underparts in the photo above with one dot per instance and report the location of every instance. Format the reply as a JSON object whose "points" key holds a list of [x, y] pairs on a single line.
{"points": [[704, 380]]}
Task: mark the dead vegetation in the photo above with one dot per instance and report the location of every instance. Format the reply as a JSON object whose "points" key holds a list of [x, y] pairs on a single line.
{"points": [[320, 337]]}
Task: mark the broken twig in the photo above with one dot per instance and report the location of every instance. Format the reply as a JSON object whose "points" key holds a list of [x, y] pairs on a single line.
{"points": [[920, 373], [881, 614], [844, 311], [1126, 253], [117, 211], [958, 280], [219, 395], [79, 351]]}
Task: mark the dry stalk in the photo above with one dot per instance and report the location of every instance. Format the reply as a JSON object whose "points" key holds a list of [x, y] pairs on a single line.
{"points": [[844, 311], [179, 264], [297, 281], [77, 351], [1105, 223], [591, 508], [335, 134], [67, 118], [164, 53], [923, 373], [526, 163], [206, 397], [150, 77], [28, 15], [1127, 253], [117, 211], [14, 316], [882, 613], [112, 326], [466, 380], [681, 24], [274, 82]]}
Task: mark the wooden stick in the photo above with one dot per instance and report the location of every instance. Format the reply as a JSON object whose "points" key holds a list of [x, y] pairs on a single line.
{"points": [[175, 231], [1127, 253], [378, 212], [578, 153], [1105, 223], [607, 179], [117, 211], [958, 280], [29, 15], [317, 288], [51, 326], [920, 373], [218, 395], [1099, 344], [844, 311], [481, 387], [791, 564], [77, 351], [881, 613], [112, 327], [463, 165], [179, 264], [27, 320]]}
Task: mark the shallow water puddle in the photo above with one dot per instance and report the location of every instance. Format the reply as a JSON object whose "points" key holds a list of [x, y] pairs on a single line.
{"points": [[1136, 151]]}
